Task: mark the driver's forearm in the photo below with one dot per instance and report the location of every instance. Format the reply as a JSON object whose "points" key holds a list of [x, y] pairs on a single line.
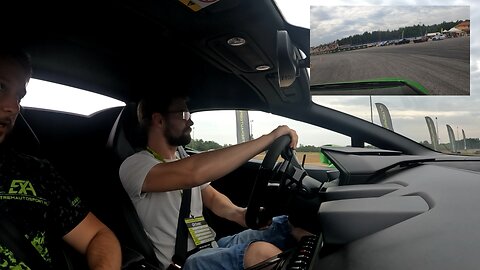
{"points": [[209, 166], [212, 165], [204, 167], [223, 207], [237, 215]]}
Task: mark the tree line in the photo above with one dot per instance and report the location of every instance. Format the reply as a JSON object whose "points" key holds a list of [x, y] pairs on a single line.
{"points": [[201, 145], [470, 143], [408, 32]]}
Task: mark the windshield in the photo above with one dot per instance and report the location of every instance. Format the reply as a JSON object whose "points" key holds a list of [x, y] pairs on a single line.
{"points": [[295, 12], [450, 131]]}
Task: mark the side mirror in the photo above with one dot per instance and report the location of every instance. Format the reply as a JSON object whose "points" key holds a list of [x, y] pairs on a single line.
{"points": [[289, 59]]}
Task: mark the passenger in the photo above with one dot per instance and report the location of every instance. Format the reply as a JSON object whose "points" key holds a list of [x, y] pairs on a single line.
{"points": [[36, 203], [155, 177]]}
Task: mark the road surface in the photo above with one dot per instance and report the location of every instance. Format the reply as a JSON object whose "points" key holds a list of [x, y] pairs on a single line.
{"points": [[443, 67]]}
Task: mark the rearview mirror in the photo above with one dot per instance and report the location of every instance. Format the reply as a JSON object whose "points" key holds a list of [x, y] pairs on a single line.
{"points": [[287, 58]]}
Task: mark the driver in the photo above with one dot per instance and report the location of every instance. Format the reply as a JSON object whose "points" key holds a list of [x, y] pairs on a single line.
{"points": [[155, 177]]}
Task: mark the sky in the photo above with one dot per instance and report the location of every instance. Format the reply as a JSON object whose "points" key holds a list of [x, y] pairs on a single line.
{"points": [[329, 23], [408, 113]]}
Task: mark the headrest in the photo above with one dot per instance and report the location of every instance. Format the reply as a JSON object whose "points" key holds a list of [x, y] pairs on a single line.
{"points": [[126, 136]]}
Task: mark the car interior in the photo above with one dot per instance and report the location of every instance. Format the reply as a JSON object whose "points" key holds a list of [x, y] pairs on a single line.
{"points": [[381, 207], [125, 48]]}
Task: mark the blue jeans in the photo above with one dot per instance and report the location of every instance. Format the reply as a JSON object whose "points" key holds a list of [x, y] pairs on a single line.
{"points": [[231, 249]]}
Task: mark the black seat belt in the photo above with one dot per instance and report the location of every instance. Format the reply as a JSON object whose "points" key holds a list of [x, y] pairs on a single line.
{"points": [[18, 244], [181, 242]]}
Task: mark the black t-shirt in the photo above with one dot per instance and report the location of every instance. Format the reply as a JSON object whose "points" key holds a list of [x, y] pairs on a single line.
{"points": [[39, 201]]}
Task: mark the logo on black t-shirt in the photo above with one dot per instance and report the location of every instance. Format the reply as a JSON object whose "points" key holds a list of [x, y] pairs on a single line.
{"points": [[22, 190], [21, 187]]}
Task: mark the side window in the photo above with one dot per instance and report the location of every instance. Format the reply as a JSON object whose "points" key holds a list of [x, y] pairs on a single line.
{"points": [[217, 129]]}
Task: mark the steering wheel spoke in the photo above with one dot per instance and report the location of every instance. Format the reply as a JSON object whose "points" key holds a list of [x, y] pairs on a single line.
{"points": [[269, 176]]}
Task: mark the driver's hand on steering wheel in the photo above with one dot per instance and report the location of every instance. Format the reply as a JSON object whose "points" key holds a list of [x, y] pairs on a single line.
{"points": [[285, 130]]}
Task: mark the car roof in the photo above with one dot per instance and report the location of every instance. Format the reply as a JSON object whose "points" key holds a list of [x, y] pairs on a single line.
{"points": [[123, 48]]}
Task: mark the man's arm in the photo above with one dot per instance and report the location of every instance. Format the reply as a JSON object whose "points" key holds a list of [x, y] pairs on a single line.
{"points": [[94, 239], [209, 166], [222, 206]]}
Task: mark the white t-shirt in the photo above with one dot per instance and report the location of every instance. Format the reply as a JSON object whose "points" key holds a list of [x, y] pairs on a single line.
{"points": [[158, 211]]}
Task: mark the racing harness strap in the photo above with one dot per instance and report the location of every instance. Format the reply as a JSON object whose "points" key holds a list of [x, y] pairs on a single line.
{"points": [[19, 245]]}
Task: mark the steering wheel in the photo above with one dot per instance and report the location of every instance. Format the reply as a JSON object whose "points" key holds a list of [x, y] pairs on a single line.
{"points": [[257, 216]]}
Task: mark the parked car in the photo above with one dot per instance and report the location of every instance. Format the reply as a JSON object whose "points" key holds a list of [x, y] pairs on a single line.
{"points": [[438, 37], [402, 41], [420, 39], [386, 201]]}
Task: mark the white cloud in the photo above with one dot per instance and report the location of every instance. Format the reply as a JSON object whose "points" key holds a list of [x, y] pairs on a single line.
{"points": [[329, 23]]}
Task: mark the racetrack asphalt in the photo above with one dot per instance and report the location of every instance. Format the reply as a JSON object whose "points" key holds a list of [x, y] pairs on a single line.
{"points": [[443, 67]]}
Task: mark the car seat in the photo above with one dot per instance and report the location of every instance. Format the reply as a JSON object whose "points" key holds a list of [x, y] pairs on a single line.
{"points": [[126, 138]]}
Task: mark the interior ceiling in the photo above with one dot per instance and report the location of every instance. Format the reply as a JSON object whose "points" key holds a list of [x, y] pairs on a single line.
{"points": [[121, 48]]}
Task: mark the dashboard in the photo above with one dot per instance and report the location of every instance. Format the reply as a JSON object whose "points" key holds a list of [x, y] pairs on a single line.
{"points": [[386, 210]]}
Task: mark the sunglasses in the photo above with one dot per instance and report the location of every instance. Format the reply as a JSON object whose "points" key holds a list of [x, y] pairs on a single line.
{"points": [[186, 115]]}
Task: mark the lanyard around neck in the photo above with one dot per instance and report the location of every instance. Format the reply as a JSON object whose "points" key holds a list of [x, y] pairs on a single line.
{"points": [[160, 158], [155, 154]]}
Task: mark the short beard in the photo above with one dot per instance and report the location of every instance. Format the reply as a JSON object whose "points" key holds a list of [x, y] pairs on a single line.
{"points": [[182, 140]]}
